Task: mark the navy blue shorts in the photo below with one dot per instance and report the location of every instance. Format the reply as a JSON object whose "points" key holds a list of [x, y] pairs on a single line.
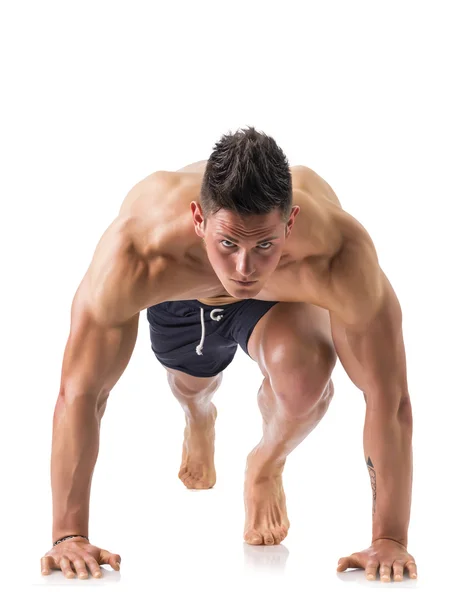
{"points": [[199, 339]]}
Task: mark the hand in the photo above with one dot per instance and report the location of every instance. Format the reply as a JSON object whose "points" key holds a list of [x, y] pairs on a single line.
{"points": [[79, 554], [385, 554]]}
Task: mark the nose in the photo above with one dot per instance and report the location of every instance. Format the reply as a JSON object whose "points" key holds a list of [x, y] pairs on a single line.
{"points": [[243, 265]]}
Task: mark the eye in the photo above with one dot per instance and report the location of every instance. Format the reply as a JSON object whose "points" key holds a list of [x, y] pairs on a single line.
{"points": [[262, 246]]}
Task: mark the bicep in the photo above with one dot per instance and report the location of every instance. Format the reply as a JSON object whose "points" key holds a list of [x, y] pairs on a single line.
{"points": [[96, 354], [372, 351], [104, 324]]}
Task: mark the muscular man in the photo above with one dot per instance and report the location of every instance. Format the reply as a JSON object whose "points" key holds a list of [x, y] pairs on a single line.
{"points": [[239, 249]]}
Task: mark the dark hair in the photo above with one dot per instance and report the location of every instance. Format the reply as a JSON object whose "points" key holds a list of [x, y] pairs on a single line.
{"points": [[248, 174]]}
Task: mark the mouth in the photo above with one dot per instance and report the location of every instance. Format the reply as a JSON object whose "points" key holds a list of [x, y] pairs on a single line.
{"points": [[244, 283]]}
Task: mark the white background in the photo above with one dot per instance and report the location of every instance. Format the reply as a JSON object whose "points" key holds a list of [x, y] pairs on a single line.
{"points": [[97, 95]]}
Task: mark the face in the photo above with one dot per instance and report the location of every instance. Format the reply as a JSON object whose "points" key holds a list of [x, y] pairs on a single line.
{"points": [[243, 249]]}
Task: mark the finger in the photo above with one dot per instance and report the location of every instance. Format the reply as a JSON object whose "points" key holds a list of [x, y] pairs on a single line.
{"points": [[114, 560], [47, 563], [371, 570], [384, 571], [349, 562], [412, 569], [80, 568], [93, 566], [66, 569], [398, 570]]}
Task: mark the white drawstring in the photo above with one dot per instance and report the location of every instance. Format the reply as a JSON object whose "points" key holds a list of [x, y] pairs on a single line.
{"points": [[203, 327]]}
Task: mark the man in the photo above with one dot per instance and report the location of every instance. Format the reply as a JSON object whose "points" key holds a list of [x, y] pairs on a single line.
{"points": [[240, 249]]}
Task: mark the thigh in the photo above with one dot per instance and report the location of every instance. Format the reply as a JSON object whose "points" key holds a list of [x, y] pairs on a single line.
{"points": [[293, 340]]}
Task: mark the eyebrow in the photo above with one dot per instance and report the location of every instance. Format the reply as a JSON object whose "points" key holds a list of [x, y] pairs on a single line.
{"points": [[228, 237]]}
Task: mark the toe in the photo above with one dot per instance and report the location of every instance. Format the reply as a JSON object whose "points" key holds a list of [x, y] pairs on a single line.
{"points": [[183, 473], [201, 485], [268, 538], [278, 535], [192, 483], [187, 479], [253, 537]]}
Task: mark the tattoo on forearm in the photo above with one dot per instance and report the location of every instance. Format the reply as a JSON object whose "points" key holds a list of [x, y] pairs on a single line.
{"points": [[372, 472]]}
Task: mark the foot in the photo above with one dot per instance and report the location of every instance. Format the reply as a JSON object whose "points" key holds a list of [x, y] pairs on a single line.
{"points": [[197, 470], [266, 521]]}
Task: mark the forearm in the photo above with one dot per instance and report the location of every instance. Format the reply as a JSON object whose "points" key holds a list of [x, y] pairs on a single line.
{"points": [[387, 444], [75, 447]]}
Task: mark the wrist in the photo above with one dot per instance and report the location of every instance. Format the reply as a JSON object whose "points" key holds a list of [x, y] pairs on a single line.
{"points": [[402, 541], [73, 537]]}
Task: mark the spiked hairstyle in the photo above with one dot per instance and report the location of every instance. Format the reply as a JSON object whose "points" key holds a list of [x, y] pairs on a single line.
{"points": [[248, 174]]}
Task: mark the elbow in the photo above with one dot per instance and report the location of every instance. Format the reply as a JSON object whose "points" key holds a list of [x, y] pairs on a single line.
{"points": [[405, 413], [390, 404]]}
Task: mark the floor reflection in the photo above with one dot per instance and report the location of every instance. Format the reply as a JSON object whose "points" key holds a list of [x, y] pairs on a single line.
{"points": [[265, 558]]}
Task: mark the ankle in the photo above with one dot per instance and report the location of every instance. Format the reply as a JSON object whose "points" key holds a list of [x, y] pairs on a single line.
{"points": [[263, 463]]}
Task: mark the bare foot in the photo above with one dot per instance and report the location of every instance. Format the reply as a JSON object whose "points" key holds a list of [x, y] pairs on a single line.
{"points": [[197, 470], [266, 521]]}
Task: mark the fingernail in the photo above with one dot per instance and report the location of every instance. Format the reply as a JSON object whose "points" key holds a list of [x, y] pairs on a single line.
{"points": [[118, 566]]}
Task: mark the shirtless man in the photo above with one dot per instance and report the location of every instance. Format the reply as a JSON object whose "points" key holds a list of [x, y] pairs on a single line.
{"points": [[239, 249]]}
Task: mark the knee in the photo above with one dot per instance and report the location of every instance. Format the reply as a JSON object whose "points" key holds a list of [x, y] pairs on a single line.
{"points": [[305, 387], [298, 406], [189, 388]]}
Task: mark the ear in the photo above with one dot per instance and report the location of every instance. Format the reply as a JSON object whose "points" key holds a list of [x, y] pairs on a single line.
{"points": [[198, 218], [288, 227]]}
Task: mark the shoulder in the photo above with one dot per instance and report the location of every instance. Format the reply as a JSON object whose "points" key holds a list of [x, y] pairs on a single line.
{"points": [[311, 182], [154, 188], [357, 285], [115, 283], [161, 196]]}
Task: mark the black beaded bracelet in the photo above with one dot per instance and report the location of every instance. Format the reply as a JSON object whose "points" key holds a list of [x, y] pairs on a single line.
{"points": [[68, 537]]}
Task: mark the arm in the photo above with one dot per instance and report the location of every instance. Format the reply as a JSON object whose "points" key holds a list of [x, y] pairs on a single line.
{"points": [[96, 355], [95, 358], [368, 337]]}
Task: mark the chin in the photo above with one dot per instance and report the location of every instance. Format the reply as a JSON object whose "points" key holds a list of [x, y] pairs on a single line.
{"points": [[240, 292]]}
